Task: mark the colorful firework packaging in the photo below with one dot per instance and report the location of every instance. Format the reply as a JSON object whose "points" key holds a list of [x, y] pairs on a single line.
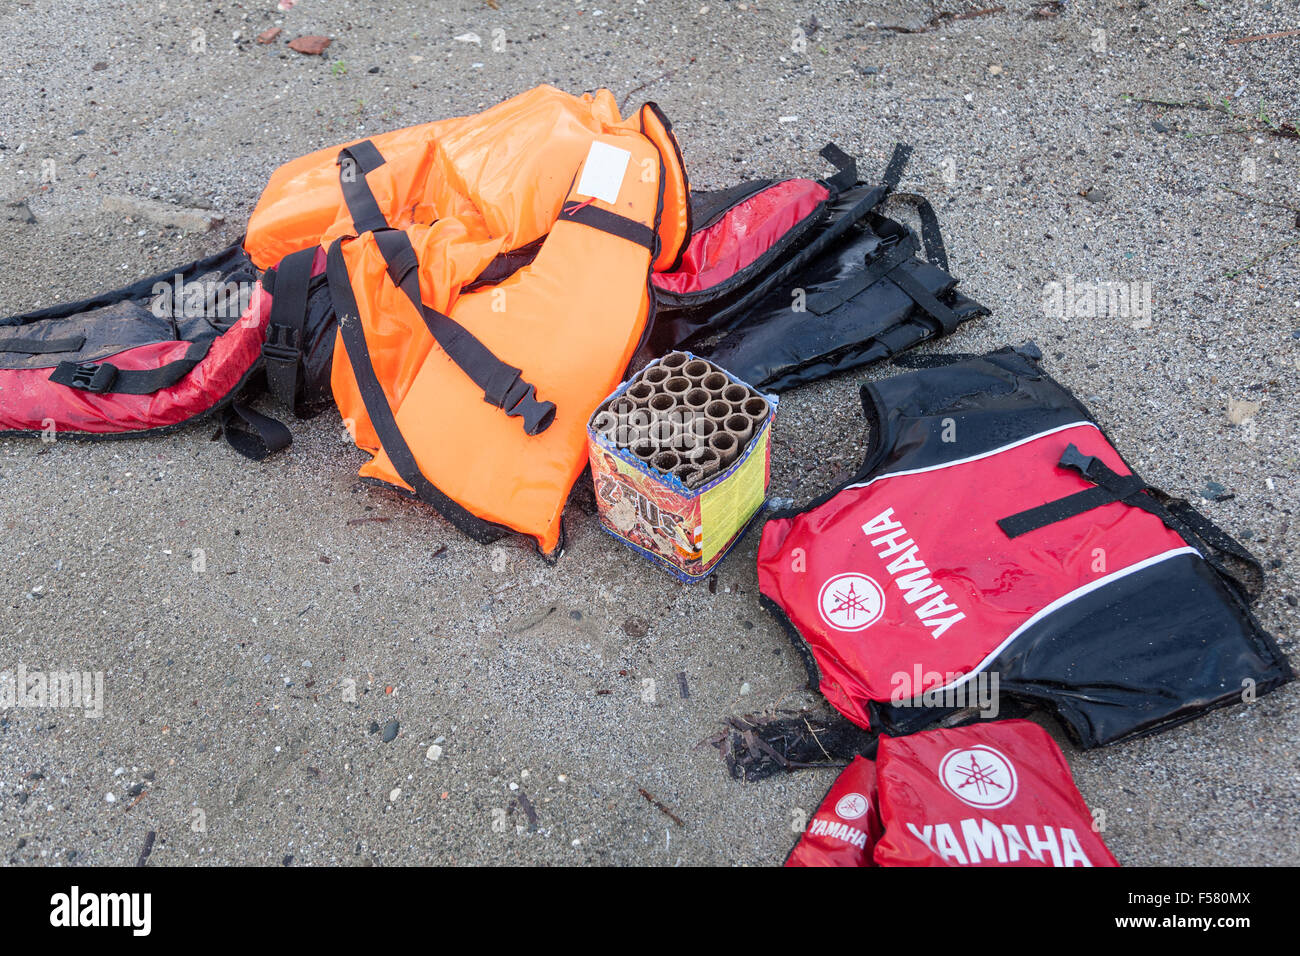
{"points": [[680, 462]]}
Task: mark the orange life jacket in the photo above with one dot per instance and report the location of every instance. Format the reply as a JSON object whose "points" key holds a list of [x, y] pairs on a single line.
{"points": [[476, 399]]}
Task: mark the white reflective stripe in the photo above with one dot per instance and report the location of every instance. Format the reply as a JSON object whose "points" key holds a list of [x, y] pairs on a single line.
{"points": [[1060, 603], [986, 454]]}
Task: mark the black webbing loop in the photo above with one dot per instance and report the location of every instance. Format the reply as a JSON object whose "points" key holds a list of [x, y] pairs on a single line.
{"points": [[610, 222], [252, 434], [502, 384], [381, 412], [104, 377], [34, 346], [931, 237], [1197, 530], [283, 346], [847, 166], [354, 163]]}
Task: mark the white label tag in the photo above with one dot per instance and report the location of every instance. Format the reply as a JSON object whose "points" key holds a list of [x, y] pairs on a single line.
{"points": [[602, 174]]}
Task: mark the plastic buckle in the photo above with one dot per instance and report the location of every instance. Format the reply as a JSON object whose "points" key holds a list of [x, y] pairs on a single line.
{"points": [[537, 416], [93, 376], [282, 344], [1073, 458]]}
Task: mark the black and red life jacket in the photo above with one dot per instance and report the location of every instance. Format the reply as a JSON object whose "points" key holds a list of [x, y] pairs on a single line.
{"points": [[994, 794], [994, 530]]}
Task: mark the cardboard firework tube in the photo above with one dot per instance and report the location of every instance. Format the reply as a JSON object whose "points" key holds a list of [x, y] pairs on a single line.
{"points": [[717, 411], [674, 361], [644, 449], [606, 423], [705, 459], [715, 381], [661, 404], [686, 473], [655, 376], [696, 398], [639, 393], [665, 461], [663, 432], [741, 426], [755, 407], [696, 369], [677, 386], [726, 447], [735, 394]]}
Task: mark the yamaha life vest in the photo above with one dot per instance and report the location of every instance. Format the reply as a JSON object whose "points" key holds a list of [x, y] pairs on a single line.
{"points": [[994, 794], [994, 531], [490, 275]]}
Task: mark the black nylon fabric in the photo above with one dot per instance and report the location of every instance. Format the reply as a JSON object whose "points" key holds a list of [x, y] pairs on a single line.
{"points": [[847, 321], [843, 288]]}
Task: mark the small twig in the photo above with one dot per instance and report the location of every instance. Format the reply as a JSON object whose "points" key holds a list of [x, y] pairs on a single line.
{"points": [[352, 521], [148, 848], [1254, 262], [1264, 202], [660, 807], [1266, 36], [647, 83], [816, 738]]}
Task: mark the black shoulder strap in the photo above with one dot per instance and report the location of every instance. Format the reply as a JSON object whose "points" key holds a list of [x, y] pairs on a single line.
{"points": [[355, 162], [381, 412], [503, 385], [104, 377], [847, 166], [283, 346]]}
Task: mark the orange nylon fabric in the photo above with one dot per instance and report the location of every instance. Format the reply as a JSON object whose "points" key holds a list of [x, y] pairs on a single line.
{"points": [[466, 190]]}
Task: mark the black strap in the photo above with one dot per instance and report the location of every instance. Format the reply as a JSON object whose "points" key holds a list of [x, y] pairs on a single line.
{"points": [[251, 433], [503, 385], [355, 162], [104, 377], [381, 412], [1196, 529], [610, 222], [31, 346], [847, 166], [928, 302], [855, 283], [283, 346], [897, 164], [931, 237]]}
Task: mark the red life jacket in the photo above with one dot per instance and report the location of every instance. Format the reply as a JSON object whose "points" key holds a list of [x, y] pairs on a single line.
{"points": [[994, 530], [993, 794]]}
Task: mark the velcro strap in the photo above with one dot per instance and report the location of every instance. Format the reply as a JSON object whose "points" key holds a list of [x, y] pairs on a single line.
{"points": [[253, 434], [842, 161], [34, 346]]}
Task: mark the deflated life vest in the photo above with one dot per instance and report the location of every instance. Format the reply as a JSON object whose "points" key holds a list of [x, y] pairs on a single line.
{"points": [[995, 794], [490, 278], [994, 532], [144, 359]]}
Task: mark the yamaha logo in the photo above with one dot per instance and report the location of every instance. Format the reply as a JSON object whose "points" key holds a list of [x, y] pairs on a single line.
{"points": [[979, 776], [851, 602], [851, 806]]}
